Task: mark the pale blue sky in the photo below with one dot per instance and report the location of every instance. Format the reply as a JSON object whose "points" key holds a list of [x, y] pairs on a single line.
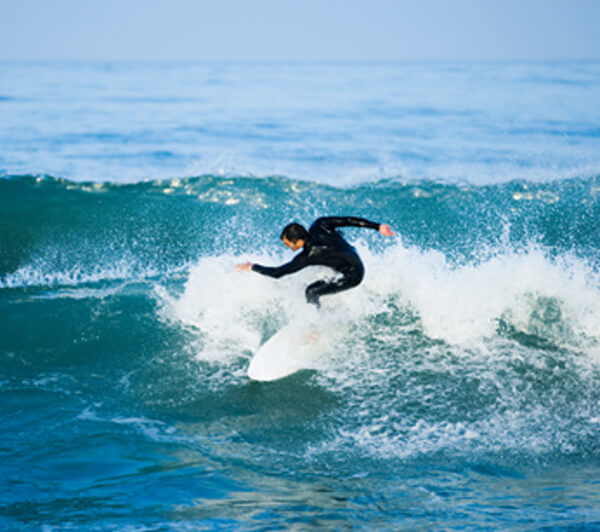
{"points": [[299, 30]]}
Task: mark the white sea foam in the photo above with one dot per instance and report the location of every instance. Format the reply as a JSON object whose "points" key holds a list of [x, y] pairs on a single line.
{"points": [[40, 273], [555, 299], [233, 312], [534, 432], [373, 352]]}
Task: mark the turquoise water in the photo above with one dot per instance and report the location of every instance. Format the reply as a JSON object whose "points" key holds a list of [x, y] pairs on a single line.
{"points": [[460, 386]]}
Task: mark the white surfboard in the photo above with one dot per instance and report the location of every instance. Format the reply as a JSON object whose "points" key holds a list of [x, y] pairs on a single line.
{"points": [[291, 349]]}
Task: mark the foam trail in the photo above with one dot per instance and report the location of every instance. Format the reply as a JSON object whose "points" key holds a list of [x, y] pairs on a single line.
{"points": [[555, 299]]}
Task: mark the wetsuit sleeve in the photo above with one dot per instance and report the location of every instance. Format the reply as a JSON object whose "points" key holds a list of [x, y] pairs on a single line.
{"points": [[297, 263], [331, 222]]}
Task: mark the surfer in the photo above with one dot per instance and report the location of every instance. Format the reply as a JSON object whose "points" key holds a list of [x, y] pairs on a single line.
{"points": [[322, 245]]}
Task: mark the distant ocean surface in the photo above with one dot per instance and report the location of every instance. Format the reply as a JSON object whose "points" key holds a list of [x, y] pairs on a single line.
{"points": [[461, 386]]}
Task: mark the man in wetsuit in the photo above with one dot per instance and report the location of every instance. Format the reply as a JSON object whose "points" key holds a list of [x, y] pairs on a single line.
{"points": [[322, 245]]}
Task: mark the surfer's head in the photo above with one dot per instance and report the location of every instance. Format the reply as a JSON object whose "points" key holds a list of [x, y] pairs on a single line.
{"points": [[294, 236]]}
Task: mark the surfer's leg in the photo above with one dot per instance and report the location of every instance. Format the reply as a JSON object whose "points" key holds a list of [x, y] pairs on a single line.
{"points": [[314, 291], [320, 288]]}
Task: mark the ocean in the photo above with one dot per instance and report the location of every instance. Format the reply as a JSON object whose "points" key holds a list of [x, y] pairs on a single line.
{"points": [[460, 386]]}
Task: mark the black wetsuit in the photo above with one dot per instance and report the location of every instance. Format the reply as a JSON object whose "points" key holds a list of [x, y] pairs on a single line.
{"points": [[326, 247]]}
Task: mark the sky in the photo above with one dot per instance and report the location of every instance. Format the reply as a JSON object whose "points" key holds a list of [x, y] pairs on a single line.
{"points": [[299, 30]]}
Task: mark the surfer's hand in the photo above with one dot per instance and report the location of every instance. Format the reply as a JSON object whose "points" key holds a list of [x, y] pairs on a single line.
{"points": [[386, 230], [243, 267]]}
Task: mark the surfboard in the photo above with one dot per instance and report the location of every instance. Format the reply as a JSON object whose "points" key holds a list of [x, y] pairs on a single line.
{"points": [[294, 347]]}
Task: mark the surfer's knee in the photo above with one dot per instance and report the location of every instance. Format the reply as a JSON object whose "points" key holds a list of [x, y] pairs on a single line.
{"points": [[312, 296], [314, 291]]}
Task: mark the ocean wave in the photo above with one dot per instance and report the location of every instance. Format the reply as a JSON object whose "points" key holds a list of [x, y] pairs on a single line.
{"points": [[437, 354], [58, 231]]}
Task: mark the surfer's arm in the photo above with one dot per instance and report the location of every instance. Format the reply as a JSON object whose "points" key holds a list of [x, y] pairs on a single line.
{"points": [[297, 263], [332, 222]]}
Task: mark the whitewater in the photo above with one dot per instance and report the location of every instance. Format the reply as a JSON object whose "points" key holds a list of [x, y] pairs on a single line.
{"points": [[459, 386]]}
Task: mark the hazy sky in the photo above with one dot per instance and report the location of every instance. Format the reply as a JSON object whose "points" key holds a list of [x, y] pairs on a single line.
{"points": [[299, 30]]}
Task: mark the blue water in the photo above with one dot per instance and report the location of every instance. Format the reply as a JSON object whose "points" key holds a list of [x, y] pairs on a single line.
{"points": [[459, 389]]}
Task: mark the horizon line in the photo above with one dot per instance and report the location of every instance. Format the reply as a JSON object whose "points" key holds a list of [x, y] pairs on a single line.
{"points": [[303, 61]]}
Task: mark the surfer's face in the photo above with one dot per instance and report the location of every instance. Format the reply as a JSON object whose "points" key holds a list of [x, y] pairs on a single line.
{"points": [[294, 246]]}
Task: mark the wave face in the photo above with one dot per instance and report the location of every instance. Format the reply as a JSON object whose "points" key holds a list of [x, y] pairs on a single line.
{"points": [[465, 367], [55, 231]]}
